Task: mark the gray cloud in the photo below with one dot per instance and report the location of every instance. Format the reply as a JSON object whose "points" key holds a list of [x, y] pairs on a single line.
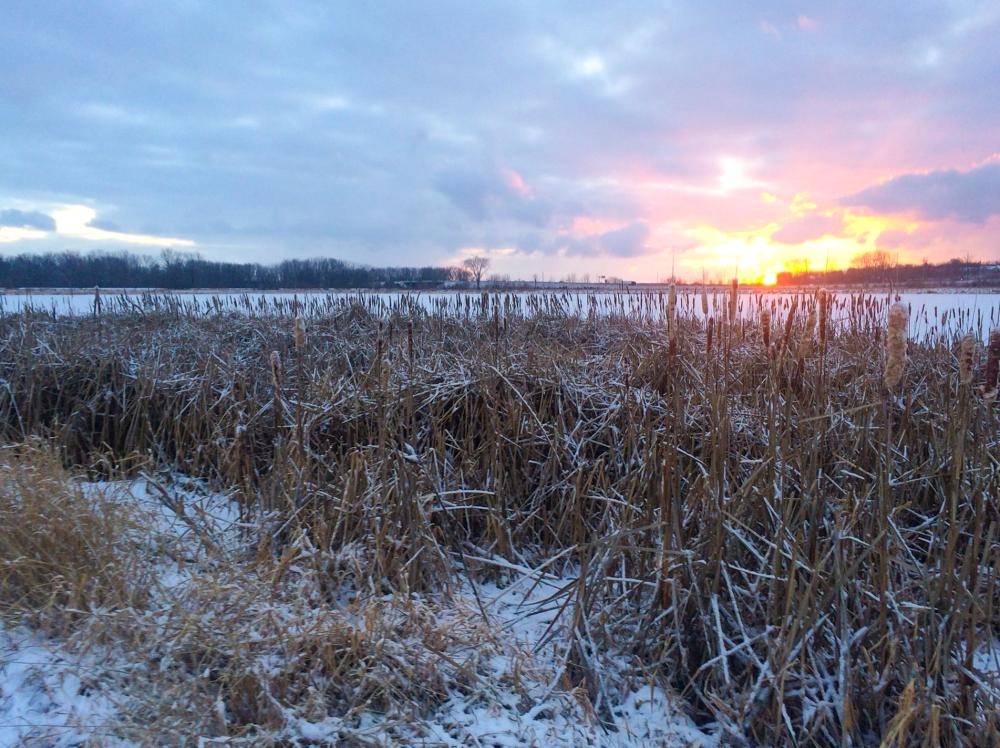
{"points": [[482, 196], [382, 133], [972, 196], [27, 219], [627, 241]]}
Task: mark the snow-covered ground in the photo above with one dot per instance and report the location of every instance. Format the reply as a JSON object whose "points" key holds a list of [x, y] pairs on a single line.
{"points": [[961, 312], [61, 693], [967, 310]]}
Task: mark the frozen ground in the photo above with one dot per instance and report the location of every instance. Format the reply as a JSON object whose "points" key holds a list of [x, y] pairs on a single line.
{"points": [[61, 693]]}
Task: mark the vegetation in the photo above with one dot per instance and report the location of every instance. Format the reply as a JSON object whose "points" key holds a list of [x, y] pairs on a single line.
{"points": [[883, 268], [183, 270], [777, 514]]}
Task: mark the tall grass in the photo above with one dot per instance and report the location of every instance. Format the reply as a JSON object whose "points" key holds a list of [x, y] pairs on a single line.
{"points": [[803, 545]]}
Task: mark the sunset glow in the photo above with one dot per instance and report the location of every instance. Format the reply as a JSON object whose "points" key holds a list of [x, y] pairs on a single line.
{"points": [[644, 142]]}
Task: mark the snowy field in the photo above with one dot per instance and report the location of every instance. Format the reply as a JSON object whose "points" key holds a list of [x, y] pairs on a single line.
{"points": [[975, 311], [54, 694]]}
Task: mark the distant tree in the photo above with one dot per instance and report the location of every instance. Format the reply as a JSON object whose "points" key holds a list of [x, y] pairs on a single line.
{"points": [[179, 270], [797, 265], [477, 266], [877, 263], [877, 259], [458, 274]]}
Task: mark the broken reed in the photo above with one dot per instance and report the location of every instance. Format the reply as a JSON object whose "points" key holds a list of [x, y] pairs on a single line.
{"points": [[752, 540], [992, 378]]}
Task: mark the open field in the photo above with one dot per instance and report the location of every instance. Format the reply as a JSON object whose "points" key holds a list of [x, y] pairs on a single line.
{"points": [[459, 519]]}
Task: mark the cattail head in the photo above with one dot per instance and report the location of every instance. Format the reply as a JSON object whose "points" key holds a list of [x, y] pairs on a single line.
{"points": [[823, 299], [895, 345], [966, 355], [672, 301], [704, 301], [276, 369], [789, 321], [765, 326], [733, 298], [300, 334]]}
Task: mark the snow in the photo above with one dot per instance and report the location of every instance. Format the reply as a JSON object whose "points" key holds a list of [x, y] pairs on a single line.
{"points": [[49, 696], [527, 614], [969, 309], [55, 693]]}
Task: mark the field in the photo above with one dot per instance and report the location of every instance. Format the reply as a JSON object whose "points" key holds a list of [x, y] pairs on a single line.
{"points": [[527, 519]]}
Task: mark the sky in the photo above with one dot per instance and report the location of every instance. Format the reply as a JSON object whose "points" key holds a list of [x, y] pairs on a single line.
{"points": [[630, 139]]}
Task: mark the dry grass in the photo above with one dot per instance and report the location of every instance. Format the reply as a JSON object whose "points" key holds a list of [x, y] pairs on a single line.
{"points": [[805, 557], [63, 553]]}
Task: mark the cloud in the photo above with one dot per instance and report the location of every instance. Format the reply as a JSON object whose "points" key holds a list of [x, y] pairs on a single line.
{"points": [[972, 196], [809, 227], [626, 241], [392, 137], [494, 194], [30, 219]]}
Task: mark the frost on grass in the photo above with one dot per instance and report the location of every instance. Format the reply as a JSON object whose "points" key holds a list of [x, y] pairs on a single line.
{"points": [[224, 648], [518, 518]]}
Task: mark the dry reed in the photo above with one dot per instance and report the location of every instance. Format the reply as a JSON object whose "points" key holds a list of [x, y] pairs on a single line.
{"points": [[749, 539]]}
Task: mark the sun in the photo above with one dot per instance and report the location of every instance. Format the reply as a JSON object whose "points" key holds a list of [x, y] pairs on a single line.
{"points": [[770, 278]]}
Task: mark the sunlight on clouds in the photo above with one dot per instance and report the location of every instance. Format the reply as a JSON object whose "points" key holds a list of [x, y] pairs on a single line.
{"points": [[733, 175], [802, 204], [756, 257], [74, 221], [16, 234]]}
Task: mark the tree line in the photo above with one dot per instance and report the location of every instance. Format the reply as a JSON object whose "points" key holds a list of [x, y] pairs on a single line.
{"points": [[183, 270], [883, 267]]}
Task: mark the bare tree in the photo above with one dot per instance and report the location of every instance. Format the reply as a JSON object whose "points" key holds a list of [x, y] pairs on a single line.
{"points": [[878, 261], [477, 266], [458, 274]]}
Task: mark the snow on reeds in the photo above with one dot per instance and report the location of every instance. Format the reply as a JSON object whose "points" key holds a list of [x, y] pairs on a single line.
{"points": [[895, 345], [765, 542]]}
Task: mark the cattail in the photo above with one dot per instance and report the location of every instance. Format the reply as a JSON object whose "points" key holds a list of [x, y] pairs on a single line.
{"points": [[704, 301], [276, 377], [993, 362], [805, 345], [708, 338], [824, 313], [789, 320], [672, 302], [300, 334], [97, 300], [765, 326], [409, 340], [966, 354], [733, 296], [895, 345], [276, 381]]}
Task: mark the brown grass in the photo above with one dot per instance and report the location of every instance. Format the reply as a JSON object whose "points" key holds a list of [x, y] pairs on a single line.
{"points": [[804, 561], [63, 552]]}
